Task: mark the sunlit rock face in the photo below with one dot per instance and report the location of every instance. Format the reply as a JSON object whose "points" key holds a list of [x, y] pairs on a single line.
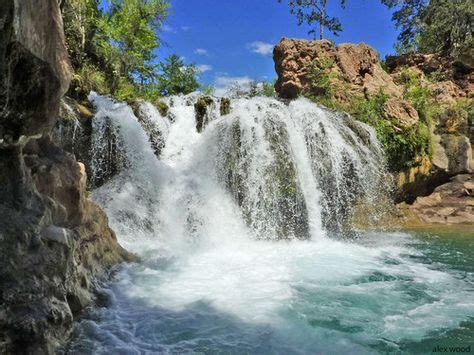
{"points": [[53, 239], [450, 204], [355, 72]]}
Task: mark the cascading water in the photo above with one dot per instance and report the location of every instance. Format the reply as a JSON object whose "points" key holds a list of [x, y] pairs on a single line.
{"points": [[239, 228]]}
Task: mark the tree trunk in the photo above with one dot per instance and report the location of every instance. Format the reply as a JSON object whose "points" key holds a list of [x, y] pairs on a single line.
{"points": [[323, 19]]}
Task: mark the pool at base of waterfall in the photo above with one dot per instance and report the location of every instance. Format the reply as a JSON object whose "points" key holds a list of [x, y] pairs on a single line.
{"points": [[387, 292]]}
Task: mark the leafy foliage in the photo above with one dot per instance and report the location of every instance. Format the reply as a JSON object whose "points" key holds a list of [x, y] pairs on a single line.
{"points": [[208, 90], [406, 17], [88, 78], [113, 50], [319, 76], [418, 94], [435, 26], [132, 26], [314, 12], [402, 145], [448, 27], [268, 89], [176, 77]]}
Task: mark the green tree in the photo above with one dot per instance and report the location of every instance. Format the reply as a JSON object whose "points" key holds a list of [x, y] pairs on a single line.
{"points": [[81, 18], [447, 27], [314, 12], [176, 77], [112, 51], [133, 27], [407, 18], [436, 26]]}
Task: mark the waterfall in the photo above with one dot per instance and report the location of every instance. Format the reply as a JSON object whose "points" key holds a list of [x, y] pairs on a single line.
{"points": [[238, 219], [267, 169]]}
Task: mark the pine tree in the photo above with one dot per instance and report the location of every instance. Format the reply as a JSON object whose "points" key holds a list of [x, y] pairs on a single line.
{"points": [[314, 12]]}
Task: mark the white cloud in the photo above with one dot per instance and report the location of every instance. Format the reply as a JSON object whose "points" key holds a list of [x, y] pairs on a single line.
{"points": [[185, 28], [201, 51], [224, 83], [204, 68], [260, 47], [168, 28]]}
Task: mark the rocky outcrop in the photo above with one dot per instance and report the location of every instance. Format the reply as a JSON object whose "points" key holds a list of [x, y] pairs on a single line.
{"points": [[446, 70], [349, 74], [55, 243], [450, 84], [354, 72], [450, 203]]}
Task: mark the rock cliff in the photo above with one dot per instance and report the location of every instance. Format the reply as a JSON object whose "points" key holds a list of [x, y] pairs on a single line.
{"points": [[55, 243]]}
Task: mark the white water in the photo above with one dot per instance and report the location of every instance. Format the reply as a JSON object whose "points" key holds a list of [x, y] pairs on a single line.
{"points": [[204, 218]]}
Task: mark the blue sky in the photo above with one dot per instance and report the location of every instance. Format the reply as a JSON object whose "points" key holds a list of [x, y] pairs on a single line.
{"points": [[232, 40]]}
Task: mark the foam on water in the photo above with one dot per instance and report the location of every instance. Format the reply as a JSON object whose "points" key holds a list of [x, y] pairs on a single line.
{"points": [[213, 279]]}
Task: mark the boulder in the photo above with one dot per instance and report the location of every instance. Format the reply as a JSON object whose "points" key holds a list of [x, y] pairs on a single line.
{"points": [[450, 203], [400, 110]]}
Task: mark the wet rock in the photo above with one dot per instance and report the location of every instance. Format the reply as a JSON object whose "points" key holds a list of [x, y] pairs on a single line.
{"points": [[73, 130], [224, 106], [52, 237], [162, 107], [157, 131], [201, 112]]}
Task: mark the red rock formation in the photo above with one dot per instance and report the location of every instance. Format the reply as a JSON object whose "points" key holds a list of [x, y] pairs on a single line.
{"points": [[355, 72]]}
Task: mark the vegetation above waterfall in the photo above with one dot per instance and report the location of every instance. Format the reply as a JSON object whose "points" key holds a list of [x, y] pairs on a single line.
{"points": [[113, 50]]}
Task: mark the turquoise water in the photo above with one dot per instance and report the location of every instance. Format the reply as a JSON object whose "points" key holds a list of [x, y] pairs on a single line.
{"points": [[385, 293]]}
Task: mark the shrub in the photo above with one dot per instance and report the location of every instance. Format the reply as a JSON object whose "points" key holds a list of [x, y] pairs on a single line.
{"points": [[268, 89], [402, 145], [126, 90], [88, 78], [320, 79]]}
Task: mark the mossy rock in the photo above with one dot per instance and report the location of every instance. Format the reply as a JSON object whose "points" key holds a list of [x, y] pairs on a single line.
{"points": [[84, 112], [200, 109], [357, 128], [163, 108], [453, 120], [225, 106]]}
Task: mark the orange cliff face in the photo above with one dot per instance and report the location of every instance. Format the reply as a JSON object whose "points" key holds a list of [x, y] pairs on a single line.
{"points": [[354, 72]]}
